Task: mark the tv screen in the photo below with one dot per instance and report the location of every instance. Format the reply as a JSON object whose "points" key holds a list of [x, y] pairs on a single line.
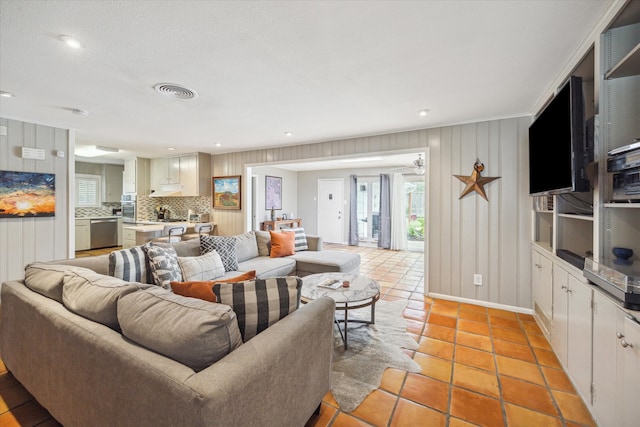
{"points": [[556, 144]]}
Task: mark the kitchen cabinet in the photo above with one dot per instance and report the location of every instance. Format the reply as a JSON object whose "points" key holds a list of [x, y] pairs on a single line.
{"points": [[191, 171], [616, 358], [113, 183], [128, 238], [571, 330], [83, 234], [135, 178], [541, 282]]}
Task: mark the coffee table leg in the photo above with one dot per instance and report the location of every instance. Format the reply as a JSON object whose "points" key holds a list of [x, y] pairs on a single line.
{"points": [[373, 313], [346, 325]]}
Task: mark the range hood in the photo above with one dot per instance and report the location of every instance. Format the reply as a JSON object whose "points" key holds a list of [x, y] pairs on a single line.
{"points": [[168, 190]]}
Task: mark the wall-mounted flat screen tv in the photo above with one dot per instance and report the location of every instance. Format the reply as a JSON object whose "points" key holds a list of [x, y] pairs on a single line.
{"points": [[557, 143]]}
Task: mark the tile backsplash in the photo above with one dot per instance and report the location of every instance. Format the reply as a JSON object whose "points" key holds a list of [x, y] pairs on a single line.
{"points": [[177, 206], [104, 210]]}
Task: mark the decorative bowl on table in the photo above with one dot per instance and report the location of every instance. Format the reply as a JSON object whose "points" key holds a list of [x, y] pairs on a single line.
{"points": [[622, 256]]}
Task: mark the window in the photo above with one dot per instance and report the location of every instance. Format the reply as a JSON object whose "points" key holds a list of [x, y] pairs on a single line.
{"points": [[88, 191]]}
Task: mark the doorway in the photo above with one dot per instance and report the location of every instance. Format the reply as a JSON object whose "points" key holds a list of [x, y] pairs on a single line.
{"points": [[331, 210], [368, 210]]}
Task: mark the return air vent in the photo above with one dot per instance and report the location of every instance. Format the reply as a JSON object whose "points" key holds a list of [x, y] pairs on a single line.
{"points": [[175, 91]]}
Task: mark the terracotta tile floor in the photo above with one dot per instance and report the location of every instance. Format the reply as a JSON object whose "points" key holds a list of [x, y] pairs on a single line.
{"points": [[480, 366]]}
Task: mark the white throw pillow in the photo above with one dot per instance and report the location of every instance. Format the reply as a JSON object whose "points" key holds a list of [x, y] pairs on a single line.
{"points": [[204, 267]]}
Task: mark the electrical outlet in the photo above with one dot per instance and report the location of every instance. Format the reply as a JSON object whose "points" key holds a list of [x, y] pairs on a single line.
{"points": [[477, 279]]}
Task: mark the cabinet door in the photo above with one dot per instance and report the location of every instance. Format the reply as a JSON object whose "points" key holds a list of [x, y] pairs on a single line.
{"points": [[542, 283], [159, 173], [559, 330], [579, 324], [630, 348], [129, 176], [189, 175], [113, 182], [83, 236], [173, 164], [605, 367]]}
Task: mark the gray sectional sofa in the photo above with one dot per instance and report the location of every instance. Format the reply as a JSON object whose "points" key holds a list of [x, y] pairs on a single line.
{"points": [[67, 334]]}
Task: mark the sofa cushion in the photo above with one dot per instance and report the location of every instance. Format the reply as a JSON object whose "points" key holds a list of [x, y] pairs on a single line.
{"points": [[130, 265], [183, 248], [163, 263], [312, 262], [204, 289], [95, 296], [226, 247], [48, 279], [263, 239], [282, 244], [260, 303], [193, 332], [246, 246], [266, 267], [203, 267], [300, 240]]}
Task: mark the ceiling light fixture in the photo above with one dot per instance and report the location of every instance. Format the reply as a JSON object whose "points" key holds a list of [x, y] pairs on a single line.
{"points": [[171, 149], [6, 94], [361, 159], [218, 144], [419, 165], [423, 113], [287, 133], [71, 42], [94, 151]]}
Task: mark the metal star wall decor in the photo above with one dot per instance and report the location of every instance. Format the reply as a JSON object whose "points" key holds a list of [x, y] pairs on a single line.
{"points": [[475, 182]]}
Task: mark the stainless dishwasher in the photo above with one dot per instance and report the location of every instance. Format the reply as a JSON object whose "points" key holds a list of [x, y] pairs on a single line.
{"points": [[104, 233]]}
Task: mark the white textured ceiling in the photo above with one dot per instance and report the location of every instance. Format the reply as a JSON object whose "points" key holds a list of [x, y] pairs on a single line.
{"points": [[323, 70]]}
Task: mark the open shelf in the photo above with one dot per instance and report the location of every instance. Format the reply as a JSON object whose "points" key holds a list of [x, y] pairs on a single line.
{"points": [[576, 216], [622, 205], [627, 66]]}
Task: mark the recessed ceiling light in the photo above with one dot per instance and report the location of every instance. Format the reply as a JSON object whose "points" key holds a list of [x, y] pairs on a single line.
{"points": [[94, 151], [80, 112], [423, 113], [361, 159], [71, 42], [218, 144], [6, 94], [287, 133], [171, 149]]}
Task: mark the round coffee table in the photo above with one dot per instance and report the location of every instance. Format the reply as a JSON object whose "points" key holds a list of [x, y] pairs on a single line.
{"points": [[362, 292]]}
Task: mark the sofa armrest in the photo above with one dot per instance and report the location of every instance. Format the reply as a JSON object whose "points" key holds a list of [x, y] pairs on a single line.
{"points": [[277, 378], [314, 243]]}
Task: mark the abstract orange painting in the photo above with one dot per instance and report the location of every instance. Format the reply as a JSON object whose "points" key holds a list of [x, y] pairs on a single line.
{"points": [[27, 194]]}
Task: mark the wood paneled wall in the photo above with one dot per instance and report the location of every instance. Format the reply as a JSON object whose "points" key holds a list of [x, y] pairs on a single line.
{"points": [[464, 236], [35, 239]]}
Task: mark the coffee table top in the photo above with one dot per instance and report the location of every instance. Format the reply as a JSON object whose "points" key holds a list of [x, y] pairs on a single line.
{"points": [[361, 288]]}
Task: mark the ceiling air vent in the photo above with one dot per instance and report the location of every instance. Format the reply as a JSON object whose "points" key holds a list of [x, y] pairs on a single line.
{"points": [[175, 91]]}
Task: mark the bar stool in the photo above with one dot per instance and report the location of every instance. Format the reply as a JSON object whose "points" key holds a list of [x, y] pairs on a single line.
{"points": [[200, 228], [171, 234]]}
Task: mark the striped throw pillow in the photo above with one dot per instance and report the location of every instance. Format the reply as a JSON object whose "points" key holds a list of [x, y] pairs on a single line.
{"points": [[260, 303], [300, 240], [130, 265]]}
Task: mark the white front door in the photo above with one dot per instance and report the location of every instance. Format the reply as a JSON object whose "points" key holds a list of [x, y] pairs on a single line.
{"points": [[331, 210]]}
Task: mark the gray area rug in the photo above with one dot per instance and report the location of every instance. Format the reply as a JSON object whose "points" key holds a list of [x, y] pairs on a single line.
{"points": [[372, 349]]}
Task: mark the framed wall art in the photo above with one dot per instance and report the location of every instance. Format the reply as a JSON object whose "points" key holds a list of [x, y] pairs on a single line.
{"points": [[27, 194], [227, 192], [273, 192]]}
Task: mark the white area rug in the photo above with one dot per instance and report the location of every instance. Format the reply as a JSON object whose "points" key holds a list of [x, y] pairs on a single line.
{"points": [[371, 349]]}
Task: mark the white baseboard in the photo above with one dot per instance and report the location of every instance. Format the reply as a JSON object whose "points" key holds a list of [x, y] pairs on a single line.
{"points": [[482, 303]]}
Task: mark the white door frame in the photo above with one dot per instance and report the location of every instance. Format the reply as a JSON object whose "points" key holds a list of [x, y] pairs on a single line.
{"points": [[326, 218]]}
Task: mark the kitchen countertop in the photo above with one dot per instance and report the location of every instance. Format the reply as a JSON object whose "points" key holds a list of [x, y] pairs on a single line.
{"points": [[157, 226], [99, 217]]}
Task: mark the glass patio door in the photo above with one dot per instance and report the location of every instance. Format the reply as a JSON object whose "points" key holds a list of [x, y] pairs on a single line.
{"points": [[368, 209]]}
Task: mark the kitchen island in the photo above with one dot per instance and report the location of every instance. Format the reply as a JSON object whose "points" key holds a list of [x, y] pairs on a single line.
{"points": [[141, 233]]}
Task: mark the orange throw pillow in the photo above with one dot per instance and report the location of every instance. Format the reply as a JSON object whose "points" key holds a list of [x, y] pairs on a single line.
{"points": [[204, 290], [282, 244]]}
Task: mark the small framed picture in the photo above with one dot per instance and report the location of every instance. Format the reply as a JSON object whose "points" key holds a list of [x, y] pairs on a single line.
{"points": [[284, 216]]}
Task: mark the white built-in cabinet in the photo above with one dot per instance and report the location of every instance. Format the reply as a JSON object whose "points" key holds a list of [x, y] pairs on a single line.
{"points": [[83, 234], [595, 339], [571, 331], [191, 172], [616, 363]]}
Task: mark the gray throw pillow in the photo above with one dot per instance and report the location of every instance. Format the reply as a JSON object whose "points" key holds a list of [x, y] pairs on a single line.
{"points": [[225, 246], [164, 266], [300, 239], [204, 267], [263, 239]]}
